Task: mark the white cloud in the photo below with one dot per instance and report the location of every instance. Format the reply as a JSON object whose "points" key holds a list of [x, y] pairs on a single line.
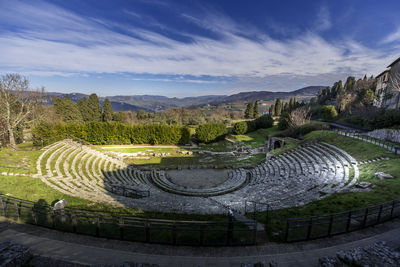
{"points": [[394, 36], [323, 22], [54, 40]]}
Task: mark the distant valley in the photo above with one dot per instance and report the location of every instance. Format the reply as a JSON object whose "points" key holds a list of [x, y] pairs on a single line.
{"points": [[152, 103]]}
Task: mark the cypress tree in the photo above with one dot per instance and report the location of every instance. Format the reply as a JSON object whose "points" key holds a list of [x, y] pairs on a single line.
{"points": [[256, 113], [272, 110], [278, 107], [286, 107], [107, 111], [67, 110], [94, 108], [83, 107], [249, 112]]}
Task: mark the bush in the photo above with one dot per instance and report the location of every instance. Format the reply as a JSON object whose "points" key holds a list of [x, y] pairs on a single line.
{"points": [[240, 127], [210, 132], [110, 133], [264, 122], [327, 112], [302, 130], [284, 121]]}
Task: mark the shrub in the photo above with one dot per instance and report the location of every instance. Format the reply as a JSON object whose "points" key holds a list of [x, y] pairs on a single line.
{"points": [[284, 121], [327, 112], [265, 121], [109, 133], [240, 127], [210, 132]]}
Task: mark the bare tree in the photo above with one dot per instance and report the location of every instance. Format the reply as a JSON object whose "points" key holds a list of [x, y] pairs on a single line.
{"points": [[17, 104], [299, 116]]}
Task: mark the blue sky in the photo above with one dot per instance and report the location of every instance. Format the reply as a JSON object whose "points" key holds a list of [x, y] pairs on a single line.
{"points": [[190, 48]]}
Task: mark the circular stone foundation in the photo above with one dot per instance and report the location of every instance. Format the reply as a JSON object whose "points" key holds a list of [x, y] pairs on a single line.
{"points": [[198, 178]]}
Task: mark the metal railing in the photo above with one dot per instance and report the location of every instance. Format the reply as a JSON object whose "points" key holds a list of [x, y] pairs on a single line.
{"points": [[313, 227], [173, 232], [382, 143]]}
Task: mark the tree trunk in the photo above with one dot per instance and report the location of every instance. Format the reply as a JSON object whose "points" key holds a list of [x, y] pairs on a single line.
{"points": [[11, 137]]}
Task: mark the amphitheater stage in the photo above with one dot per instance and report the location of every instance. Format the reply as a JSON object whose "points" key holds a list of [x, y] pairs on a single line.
{"points": [[198, 178]]}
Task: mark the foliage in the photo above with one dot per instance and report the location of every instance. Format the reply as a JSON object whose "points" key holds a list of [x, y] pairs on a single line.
{"points": [[210, 132], [284, 121], [374, 118], [256, 112], [272, 110], [278, 107], [327, 112], [107, 111], [67, 110], [240, 127], [249, 112], [94, 108], [108, 133], [265, 121]]}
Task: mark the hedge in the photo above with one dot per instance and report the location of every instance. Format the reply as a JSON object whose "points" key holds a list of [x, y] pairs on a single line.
{"points": [[113, 133], [262, 122], [210, 132]]}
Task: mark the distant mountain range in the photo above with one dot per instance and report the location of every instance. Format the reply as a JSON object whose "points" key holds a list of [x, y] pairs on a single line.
{"points": [[153, 103]]}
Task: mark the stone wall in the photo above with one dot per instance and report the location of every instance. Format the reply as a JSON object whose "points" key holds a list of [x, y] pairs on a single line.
{"points": [[386, 134]]}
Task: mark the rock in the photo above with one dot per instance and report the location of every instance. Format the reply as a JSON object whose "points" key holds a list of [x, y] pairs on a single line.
{"points": [[12, 254], [382, 175], [60, 205], [363, 185]]}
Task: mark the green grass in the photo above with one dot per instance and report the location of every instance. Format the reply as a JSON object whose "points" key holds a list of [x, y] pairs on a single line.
{"points": [[256, 138], [360, 150], [23, 159]]}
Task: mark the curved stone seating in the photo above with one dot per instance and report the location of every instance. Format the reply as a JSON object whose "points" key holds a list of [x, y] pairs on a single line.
{"points": [[296, 177]]}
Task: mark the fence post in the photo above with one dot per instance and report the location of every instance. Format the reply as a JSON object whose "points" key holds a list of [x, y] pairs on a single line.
{"points": [[348, 221], [201, 235], [3, 209], [174, 234], [392, 209], [330, 225], [287, 231], [267, 216], [147, 229], [121, 227], [97, 225], [379, 214], [16, 207], [309, 228], [365, 218], [73, 221]]}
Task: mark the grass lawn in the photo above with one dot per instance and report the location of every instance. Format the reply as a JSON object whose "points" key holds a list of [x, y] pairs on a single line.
{"points": [[22, 160], [360, 150]]}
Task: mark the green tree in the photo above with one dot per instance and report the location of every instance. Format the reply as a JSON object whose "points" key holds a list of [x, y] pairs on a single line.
{"points": [[284, 121], [286, 107], [249, 112], [327, 112], [67, 110], [210, 132], [94, 108], [83, 107], [278, 107], [240, 127], [272, 110], [118, 116], [256, 112], [107, 111]]}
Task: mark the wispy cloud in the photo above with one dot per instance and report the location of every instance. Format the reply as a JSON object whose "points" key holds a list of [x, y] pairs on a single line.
{"points": [[49, 39], [323, 21], [392, 37]]}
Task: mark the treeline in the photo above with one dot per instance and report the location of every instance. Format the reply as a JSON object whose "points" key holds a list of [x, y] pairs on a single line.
{"points": [[251, 110], [279, 107], [85, 110], [109, 133]]}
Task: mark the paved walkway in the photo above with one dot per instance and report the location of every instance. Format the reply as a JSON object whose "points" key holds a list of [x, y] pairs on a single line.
{"points": [[97, 251]]}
